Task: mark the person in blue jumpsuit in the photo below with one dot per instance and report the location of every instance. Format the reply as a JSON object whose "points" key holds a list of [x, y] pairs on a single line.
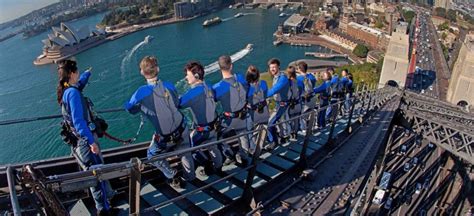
{"points": [[346, 83], [158, 101], [308, 100], [78, 117], [323, 90], [334, 95], [231, 92], [256, 100], [280, 92], [200, 100], [294, 108]]}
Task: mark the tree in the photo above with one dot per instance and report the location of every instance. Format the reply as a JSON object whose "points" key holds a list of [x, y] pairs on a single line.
{"points": [[408, 15], [361, 51], [451, 15], [443, 26]]}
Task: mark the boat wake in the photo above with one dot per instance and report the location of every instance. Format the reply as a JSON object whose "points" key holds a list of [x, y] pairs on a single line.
{"points": [[214, 67], [227, 19], [129, 56]]}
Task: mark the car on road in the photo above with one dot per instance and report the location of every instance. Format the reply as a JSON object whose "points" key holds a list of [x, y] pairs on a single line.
{"points": [[407, 167], [388, 203], [422, 91], [431, 88], [379, 197], [414, 161], [403, 149], [430, 145], [418, 188]]}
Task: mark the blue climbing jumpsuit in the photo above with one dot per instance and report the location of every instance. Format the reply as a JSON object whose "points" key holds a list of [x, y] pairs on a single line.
{"points": [[308, 100], [200, 100], [294, 109], [280, 92], [232, 95], [323, 90], [258, 107], [347, 86], [334, 94], [76, 112], [158, 101]]}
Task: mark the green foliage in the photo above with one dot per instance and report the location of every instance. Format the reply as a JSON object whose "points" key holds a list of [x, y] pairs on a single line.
{"points": [[451, 15], [443, 26], [444, 35], [367, 73], [361, 51], [439, 11], [408, 15], [132, 15]]}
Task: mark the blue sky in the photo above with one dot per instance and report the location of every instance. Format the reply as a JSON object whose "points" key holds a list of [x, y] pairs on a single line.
{"points": [[11, 9]]}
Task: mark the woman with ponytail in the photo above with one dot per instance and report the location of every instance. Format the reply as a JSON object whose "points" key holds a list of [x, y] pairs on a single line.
{"points": [[77, 118]]}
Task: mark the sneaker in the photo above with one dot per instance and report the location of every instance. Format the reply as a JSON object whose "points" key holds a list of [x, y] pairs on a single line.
{"points": [[303, 132], [202, 172], [270, 146], [242, 161], [293, 138], [228, 162], [166, 169], [176, 183]]}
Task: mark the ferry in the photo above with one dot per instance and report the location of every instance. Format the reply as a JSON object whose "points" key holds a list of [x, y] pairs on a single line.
{"points": [[212, 21], [238, 15]]}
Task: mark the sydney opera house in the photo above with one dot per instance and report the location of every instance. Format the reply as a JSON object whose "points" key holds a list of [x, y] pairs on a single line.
{"points": [[65, 42]]}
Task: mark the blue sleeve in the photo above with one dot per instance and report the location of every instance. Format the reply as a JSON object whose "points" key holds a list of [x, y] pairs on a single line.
{"points": [[344, 81], [187, 97], [250, 92], [77, 113], [133, 105], [242, 80], [300, 86], [320, 88], [263, 85], [219, 90], [278, 86], [334, 80], [83, 79]]}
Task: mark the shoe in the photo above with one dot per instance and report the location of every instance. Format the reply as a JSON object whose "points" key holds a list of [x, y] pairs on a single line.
{"points": [[177, 183], [228, 162], [240, 160], [303, 132], [293, 138], [203, 173], [270, 146], [166, 169]]}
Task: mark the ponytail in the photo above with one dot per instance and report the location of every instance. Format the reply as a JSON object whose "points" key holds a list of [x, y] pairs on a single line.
{"points": [[65, 68]]}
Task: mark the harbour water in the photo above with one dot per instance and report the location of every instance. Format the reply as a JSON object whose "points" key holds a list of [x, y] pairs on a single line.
{"points": [[28, 91]]}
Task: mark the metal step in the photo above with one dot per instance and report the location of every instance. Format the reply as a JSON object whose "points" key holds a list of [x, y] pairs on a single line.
{"points": [[79, 208], [225, 187], [153, 196], [200, 199]]}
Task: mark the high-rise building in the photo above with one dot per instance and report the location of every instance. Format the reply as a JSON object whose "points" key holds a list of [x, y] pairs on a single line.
{"points": [[183, 9], [461, 85], [395, 62], [443, 4]]}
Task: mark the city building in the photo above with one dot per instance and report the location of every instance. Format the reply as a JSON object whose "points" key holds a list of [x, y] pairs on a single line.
{"points": [[446, 4], [461, 86], [183, 9], [294, 24], [396, 61], [66, 41], [344, 21], [324, 23], [369, 35]]}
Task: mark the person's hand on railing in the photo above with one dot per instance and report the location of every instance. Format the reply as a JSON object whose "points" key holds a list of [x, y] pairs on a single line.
{"points": [[95, 148]]}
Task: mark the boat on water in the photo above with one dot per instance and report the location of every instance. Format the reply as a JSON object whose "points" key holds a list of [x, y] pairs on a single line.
{"points": [[238, 15], [277, 42], [283, 15], [230, 6], [148, 39], [213, 21], [249, 47]]}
